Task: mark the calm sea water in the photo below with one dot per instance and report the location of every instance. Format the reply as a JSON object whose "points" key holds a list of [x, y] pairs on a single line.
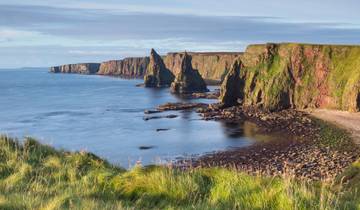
{"points": [[104, 115]]}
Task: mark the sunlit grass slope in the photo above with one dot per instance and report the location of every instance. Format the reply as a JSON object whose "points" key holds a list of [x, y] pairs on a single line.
{"points": [[35, 176]]}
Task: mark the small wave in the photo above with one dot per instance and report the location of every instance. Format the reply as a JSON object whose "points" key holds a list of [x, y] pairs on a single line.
{"points": [[69, 113]]}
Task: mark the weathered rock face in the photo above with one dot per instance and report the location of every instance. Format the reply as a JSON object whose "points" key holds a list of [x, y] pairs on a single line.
{"points": [[157, 74], [188, 80], [128, 67], [80, 68], [279, 76], [211, 65]]}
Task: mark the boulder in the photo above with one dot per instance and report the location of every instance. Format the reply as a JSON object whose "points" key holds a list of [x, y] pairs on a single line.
{"points": [[188, 80], [157, 74]]}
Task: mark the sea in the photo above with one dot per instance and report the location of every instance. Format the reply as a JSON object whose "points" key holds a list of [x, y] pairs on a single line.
{"points": [[105, 116]]}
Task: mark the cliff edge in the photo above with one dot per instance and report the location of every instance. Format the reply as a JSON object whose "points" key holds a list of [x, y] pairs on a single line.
{"points": [[287, 75]]}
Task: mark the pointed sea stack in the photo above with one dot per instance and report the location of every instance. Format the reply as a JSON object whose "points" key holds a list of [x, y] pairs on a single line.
{"points": [[188, 80], [157, 74]]}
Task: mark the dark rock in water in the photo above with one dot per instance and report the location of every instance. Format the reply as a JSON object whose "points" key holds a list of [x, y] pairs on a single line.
{"points": [[151, 111], [171, 116], [188, 80], [140, 85], [146, 147], [162, 129], [180, 106], [209, 95], [159, 117], [157, 74]]}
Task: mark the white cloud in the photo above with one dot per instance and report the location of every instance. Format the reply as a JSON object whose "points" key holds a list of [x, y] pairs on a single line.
{"points": [[10, 37], [13, 35]]}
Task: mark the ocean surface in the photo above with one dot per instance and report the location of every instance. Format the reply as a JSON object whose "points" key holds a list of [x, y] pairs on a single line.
{"points": [[104, 115]]}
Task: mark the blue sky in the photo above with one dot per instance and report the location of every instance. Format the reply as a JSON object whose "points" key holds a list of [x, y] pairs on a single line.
{"points": [[52, 32]]}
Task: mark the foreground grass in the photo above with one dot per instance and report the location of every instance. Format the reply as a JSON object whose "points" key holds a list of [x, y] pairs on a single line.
{"points": [[36, 176]]}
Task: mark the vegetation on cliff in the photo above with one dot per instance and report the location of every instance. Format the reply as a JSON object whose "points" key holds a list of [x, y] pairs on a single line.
{"points": [[278, 76], [188, 80], [157, 74], [36, 176]]}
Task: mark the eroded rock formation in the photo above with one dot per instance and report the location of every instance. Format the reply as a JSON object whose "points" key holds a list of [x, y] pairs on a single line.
{"points": [[80, 68], [157, 74], [279, 76], [188, 80]]}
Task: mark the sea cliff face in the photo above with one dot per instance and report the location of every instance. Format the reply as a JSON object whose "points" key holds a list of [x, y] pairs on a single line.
{"points": [[211, 66], [279, 76], [80, 68], [128, 67]]}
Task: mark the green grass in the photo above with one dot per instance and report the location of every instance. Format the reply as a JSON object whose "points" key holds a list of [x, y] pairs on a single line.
{"points": [[36, 176]]}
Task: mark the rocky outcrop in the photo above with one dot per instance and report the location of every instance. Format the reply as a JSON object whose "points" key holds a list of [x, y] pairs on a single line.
{"points": [[188, 80], [128, 67], [211, 65], [80, 68], [280, 76], [157, 74]]}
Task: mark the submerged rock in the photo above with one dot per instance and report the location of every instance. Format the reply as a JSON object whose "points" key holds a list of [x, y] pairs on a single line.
{"points": [[146, 147], [188, 80], [157, 74]]}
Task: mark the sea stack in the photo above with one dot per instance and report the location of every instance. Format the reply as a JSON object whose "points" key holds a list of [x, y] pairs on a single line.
{"points": [[188, 80], [157, 74]]}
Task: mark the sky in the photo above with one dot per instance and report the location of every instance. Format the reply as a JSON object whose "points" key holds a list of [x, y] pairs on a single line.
{"points": [[42, 33]]}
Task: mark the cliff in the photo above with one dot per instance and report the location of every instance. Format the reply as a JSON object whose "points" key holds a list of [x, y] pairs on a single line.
{"points": [[211, 65], [80, 68], [279, 76], [128, 67]]}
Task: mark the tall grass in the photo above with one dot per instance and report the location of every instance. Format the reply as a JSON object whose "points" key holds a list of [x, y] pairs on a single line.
{"points": [[36, 176]]}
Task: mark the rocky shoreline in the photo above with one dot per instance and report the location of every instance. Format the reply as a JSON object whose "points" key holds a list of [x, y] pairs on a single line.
{"points": [[303, 155]]}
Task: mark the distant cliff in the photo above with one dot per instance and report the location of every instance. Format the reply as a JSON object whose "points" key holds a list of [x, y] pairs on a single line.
{"points": [[211, 66], [80, 68], [128, 67], [279, 76]]}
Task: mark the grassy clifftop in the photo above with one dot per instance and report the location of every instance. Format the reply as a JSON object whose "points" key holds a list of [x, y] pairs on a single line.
{"points": [[277, 76], [35, 176]]}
